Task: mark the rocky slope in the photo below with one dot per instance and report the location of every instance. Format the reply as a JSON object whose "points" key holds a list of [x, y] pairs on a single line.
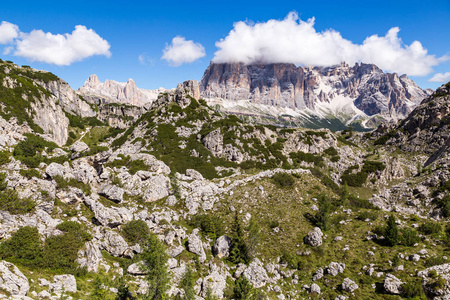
{"points": [[347, 93], [251, 210], [112, 91], [40, 100]]}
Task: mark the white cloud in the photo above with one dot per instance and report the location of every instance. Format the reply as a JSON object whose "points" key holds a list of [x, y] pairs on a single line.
{"points": [[295, 41], [182, 51], [144, 59], [8, 32], [440, 77], [61, 49]]}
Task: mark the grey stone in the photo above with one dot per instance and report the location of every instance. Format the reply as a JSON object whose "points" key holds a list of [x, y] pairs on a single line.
{"points": [[392, 284], [256, 274], [314, 237], [111, 192], [12, 280], [195, 245], [63, 283], [349, 285], [221, 246]]}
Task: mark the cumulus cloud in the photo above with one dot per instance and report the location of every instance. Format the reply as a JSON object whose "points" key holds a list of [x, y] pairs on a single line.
{"points": [[61, 49], [182, 51], [295, 41], [144, 59], [440, 77], [58, 49], [8, 32]]}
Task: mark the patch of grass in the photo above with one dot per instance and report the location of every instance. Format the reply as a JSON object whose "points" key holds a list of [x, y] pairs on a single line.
{"points": [[30, 173], [64, 184], [283, 180], [135, 231]]}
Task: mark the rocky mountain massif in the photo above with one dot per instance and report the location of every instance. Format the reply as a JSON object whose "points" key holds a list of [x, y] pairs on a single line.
{"points": [[186, 201], [362, 92], [112, 91]]}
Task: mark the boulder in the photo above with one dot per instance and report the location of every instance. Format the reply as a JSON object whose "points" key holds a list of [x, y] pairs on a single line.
{"points": [[314, 289], [195, 245], [114, 243], [318, 275], [349, 285], [12, 280], [314, 237], [90, 257], [335, 268], [137, 269], [111, 192], [392, 285], [63, 283], [256, 274], [221, 246]]}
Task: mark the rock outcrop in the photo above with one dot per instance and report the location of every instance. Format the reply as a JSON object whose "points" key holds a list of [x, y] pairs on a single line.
{"points": [[112, 91], [365, 87]]}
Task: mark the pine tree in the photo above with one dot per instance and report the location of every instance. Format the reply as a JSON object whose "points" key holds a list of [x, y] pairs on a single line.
{"points": [[391, 232], [254, 238], [154, 259], [122, 290], [187, 284], [242, 289], [238, 249]]}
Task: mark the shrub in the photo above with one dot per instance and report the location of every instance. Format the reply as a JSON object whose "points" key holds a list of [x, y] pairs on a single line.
{"points": [[211, 226], [430, 228], [24, 246], [367, 215], [136, 231], [408, 237], [434, 261], [64, 184], [412, 288], [331, 151], [4, 157], [30, 173], [60, 251], [283, 179], [10, 201]]}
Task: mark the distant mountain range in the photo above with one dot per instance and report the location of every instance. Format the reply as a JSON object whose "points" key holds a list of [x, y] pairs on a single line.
{"points": [[112, 91], [362, 92], [283, 94]]}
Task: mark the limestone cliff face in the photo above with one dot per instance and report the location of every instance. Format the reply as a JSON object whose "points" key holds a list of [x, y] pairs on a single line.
{"points": [[112, 91], [68, 98], [120, 115], [284, 85]]}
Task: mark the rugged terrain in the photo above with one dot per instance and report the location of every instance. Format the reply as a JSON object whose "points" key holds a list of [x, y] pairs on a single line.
{"points": [[307, 95], [90, 196]]}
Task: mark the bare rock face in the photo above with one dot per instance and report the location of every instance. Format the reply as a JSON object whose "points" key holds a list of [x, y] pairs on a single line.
{"points": [[63, 283], [68, 99], [12, 280], [112, 91], [284, 85], [90, 257]]}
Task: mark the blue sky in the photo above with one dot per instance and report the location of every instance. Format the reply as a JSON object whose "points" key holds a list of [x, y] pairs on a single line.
{"points": [[143, 28]]}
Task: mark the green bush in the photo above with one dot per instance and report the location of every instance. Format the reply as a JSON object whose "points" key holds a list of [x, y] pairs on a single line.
{"points": [[62, 183], [408, 237], [209, 225], [30, 173], [368, 215], [135, 231], [10, 201], [412, 289], [331, 151], [4, 157], [24, 247], [430, 228], [434, 261], [283, 179]]}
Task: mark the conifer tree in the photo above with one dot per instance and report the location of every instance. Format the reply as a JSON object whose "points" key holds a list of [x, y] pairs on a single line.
{"points": [[391, 232], [187, 284], [238, 249], [154, 259]]}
